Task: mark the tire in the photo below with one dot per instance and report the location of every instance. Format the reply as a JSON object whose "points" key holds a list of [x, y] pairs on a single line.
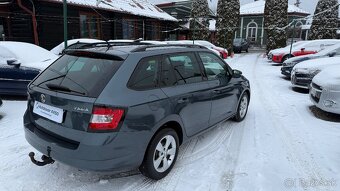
{"points": [[242, 108], [157, 154], [286, 58]]}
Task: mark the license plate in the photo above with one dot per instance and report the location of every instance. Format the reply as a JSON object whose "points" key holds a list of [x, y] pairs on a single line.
{"points": [[52, 113]]}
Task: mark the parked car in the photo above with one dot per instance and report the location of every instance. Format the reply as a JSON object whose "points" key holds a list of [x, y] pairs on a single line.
{"points": [[139, 41], [19, 64], [287, 48], [240, 44], [304, 72], [74, 44], [174, 42], [288, 65], [311, 47], [223, 52], [140, 112], [325, 90]]}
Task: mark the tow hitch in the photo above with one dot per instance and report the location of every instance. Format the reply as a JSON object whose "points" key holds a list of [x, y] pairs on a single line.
{"points": [[45, 159]]}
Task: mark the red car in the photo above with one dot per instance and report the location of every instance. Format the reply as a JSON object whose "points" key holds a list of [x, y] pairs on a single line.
{"points": [[300, 49]]}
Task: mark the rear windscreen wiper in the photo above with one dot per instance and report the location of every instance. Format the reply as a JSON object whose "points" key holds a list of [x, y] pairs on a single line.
{"points": [[62, 88], [61, 76]]}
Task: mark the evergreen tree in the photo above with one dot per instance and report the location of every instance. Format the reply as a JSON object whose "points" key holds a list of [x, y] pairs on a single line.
{"points": [[324, 25], [275, 21], [228, 17], [199, 22]]}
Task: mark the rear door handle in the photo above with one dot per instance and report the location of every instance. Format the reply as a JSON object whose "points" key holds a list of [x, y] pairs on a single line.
{"points": [[183, 100]]}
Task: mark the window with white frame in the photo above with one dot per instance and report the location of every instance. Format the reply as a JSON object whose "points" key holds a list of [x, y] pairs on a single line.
{"points": [[252, 31]]}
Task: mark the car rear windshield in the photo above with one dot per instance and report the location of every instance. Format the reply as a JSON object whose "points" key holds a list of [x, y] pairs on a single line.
{"points": [[79, 75]]}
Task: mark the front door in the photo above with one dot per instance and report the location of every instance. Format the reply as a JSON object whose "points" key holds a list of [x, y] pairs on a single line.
{"points": [[223, 91], [182, 82]]}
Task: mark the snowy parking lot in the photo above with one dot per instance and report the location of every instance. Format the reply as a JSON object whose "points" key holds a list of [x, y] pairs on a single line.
{"points": [[280, 145]]}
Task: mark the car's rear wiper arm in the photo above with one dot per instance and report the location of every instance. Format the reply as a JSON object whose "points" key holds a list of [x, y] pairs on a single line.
{"points": [[61, 76], [62, 88]]}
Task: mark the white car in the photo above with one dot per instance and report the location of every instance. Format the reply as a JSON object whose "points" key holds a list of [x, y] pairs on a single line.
{"points": [[74, 43], [304, 72], [301, 48], [222, 51], [325, 90], [191, 42], [19, 63], [123, 41]]}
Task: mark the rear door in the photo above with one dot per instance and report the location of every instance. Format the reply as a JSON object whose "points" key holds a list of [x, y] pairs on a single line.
{"points": [[70, 87], [223, 90], [182, 82]]}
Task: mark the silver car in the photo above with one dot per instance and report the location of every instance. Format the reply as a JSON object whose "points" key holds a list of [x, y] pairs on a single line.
{"points": [[325, 90]]}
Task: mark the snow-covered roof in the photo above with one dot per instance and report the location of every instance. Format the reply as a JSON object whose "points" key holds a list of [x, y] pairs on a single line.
{"points": [[133, 7], [257, 8]]}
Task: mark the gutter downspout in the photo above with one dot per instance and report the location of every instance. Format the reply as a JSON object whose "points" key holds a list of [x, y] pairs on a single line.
{"points": [[34, 21]]}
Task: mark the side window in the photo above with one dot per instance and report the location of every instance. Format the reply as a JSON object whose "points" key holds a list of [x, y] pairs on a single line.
{"points": [[186, 68], [168, 77], [213, 66], [145, 75]]}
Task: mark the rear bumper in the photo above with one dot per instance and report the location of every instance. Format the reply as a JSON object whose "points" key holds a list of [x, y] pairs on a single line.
{"points": [[119, 152]]}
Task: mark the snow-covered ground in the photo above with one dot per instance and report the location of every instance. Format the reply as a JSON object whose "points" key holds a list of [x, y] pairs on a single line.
{"points": [[279, 146]]}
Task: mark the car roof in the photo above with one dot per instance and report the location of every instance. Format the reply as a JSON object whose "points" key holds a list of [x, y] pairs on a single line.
{"points": [[124, 51]]}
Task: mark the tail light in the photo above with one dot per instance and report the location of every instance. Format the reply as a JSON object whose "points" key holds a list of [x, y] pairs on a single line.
{"points": [[104, 118]]}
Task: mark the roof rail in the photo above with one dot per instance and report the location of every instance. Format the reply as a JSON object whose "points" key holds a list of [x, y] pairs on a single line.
{"points": [[106, 44], [145, 47]]}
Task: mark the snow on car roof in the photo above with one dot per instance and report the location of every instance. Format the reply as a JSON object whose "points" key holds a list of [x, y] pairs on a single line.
{"points": [[133, 7], [26, 52], [329, 49], [59, 49], [257, 7]]}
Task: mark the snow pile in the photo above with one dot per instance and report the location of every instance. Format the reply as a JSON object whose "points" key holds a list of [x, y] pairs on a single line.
{"points": [[134, 7], [257, 7]]}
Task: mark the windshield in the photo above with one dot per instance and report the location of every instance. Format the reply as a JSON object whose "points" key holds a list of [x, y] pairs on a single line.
{"points": [[79, 74]]}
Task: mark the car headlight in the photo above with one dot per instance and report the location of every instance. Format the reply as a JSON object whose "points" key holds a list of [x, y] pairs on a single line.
{"points": [[289, 64], [314, 71]]}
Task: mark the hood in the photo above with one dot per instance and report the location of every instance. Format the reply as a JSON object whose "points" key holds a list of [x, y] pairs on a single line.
{"points": [[319, 63], [39, 65], [329, 78]]}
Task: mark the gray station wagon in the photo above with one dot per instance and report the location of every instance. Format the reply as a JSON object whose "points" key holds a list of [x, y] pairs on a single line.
{"points": [[117, 108]]}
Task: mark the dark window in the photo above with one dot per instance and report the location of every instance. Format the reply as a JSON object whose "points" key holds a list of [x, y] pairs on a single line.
{"points": [[214, 67], [168, 77], [145, 75], [128, 29], [2, 33], [186, 68], [79, 74], [89, 26], [156, 29]]}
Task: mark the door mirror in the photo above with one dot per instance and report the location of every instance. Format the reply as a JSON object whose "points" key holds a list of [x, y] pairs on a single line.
{"points": [[303, 49], [237, 73], [13, 62]]}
